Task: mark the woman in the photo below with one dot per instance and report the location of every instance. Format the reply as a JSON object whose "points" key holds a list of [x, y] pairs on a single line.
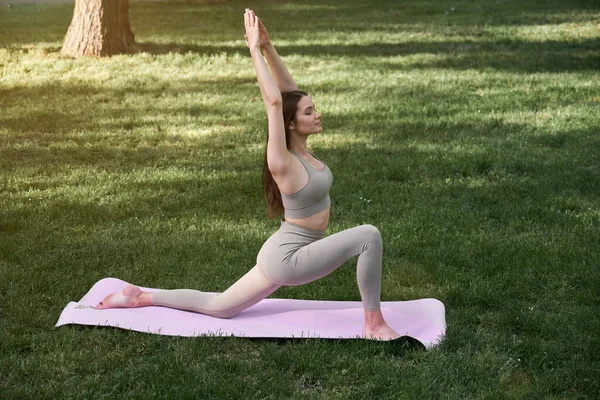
{"points": [[297, 182]]}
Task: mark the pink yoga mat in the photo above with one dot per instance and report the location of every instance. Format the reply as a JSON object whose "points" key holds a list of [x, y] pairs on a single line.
{"points": [[423, 319]]}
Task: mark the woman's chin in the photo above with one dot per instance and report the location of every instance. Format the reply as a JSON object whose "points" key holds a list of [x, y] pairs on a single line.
{"points": [[317, 129]]}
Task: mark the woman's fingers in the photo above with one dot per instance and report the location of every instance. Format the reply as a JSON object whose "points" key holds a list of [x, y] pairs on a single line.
{"points": [[253, 18], [249, 19], [252, 36], [262, 29]]}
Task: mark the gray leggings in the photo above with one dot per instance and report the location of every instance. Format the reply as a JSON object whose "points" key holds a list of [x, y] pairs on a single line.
{"points": [[292, 256]]}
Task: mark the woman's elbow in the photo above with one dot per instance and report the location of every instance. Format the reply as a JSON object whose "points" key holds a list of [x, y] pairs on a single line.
{"points": [[274, 101]]}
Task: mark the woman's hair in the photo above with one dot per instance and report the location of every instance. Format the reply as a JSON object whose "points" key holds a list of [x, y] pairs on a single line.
{"points": [[272, 194]]}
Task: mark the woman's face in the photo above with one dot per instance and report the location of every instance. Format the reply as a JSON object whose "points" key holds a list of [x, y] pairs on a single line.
{"points": [[308, 120]]}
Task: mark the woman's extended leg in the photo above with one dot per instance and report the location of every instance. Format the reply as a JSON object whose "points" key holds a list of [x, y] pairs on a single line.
{"points": [[247, 291]]}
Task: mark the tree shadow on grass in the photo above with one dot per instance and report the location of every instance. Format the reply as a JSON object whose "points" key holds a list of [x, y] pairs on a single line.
{"points": [[77, 108], [181, 48], [501, 55], [285, 22], [422, 17]]}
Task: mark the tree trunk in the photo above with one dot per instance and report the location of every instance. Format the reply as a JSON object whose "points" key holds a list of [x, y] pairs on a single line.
{"points": [[99, 28]]}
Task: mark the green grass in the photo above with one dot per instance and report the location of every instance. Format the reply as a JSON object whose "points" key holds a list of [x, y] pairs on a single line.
{"points": [[471, 128]]}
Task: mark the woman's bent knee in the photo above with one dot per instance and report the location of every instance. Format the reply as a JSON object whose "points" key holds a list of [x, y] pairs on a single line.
{"points": [[372, 233]]}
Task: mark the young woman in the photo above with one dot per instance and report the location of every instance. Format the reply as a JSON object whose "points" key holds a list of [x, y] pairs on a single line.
{"points": [[298, 183]]}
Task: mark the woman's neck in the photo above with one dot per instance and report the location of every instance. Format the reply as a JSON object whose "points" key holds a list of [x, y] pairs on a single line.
{"points": [[298, 145]]}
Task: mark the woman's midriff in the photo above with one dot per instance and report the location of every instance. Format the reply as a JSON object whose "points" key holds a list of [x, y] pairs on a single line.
{"points": [[316, 222]]}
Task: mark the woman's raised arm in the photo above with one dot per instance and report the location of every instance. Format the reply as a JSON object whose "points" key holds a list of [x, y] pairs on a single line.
{"points": [[277, 154], [282, 76], [268, 88]]}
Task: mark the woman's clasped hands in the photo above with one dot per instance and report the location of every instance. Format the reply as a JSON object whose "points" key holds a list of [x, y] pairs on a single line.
{"points": [[256, 33]]}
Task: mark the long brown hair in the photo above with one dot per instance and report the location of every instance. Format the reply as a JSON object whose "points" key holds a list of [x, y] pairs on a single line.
{"points": [[272, 194]]}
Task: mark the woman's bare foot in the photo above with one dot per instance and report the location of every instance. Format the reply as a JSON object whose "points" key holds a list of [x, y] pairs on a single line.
{"points": [[383, 332], [131, 296]]}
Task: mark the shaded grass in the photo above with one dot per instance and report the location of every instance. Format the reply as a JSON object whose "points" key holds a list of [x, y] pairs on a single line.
{"points": [[467, 136]]}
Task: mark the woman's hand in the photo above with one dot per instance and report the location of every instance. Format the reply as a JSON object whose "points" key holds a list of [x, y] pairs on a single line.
{"points": [[252, 29], [264, 35]]}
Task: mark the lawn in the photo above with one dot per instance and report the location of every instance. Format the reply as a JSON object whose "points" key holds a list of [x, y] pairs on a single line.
{"points": [[467, 132]]}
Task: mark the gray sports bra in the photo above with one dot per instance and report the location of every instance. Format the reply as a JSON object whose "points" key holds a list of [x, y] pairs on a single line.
{"points": [[313, 197]]}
